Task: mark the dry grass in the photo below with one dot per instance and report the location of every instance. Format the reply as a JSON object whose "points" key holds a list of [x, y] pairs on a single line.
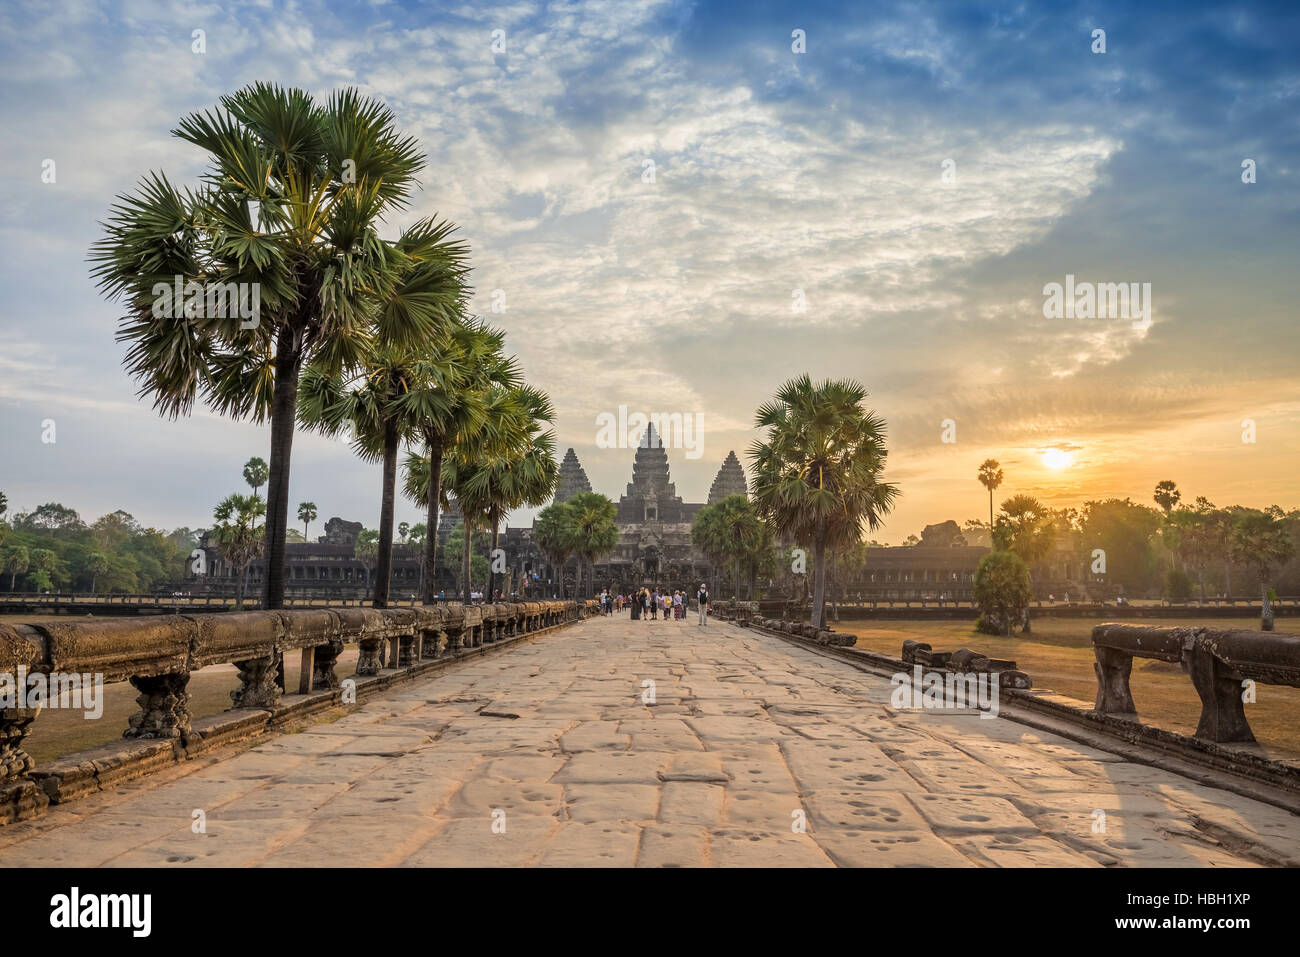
{"points": [[1058, 656]]}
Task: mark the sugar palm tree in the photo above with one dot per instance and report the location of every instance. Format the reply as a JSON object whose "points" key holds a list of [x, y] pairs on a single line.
{"points": [[727, 531], [306, 515], [990, 476], [818, 471], [368, 396], [96, 564], [556, 533], [237, 536], [16, 562], [290, 209], [513, 464], [527, 473], [595, 530], [414, 538], [1166, 495], [1261, 541], [366, 551], [255, 473], [450, 404]]}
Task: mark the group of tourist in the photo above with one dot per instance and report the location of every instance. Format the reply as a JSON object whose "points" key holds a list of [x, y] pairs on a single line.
{"points": [[650, 604]]}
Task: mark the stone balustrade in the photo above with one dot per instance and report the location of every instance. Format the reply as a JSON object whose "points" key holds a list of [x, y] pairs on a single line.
{"points": [[157, 655], [1218, 661], [801, 629]]}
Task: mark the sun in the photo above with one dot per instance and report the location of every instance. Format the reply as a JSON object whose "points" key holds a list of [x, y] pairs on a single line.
{"points": [[1057, 459]]}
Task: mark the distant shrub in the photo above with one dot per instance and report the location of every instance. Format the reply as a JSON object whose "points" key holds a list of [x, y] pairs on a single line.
{"points": [[1178, 586], [1002, 590]]}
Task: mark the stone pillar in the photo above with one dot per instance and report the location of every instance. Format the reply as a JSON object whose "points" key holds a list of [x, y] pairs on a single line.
{"points": [[435, 640], [164, 707], [371, 658], [258, 687], [323, 677], [1113, 669], [408, 650], [14, 761], [1223, 719]]}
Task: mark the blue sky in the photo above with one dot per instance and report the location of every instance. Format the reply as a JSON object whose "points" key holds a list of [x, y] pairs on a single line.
{"points": [[775, 171]]}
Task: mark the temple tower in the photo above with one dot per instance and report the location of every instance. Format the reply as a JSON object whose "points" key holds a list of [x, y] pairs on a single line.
{"points": [[730, 480], [651, 495], [573, 478]]}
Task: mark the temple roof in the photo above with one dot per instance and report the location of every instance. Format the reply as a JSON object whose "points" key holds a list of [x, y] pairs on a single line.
{"points": [[650, 478], [573, 478], [730, 480]]}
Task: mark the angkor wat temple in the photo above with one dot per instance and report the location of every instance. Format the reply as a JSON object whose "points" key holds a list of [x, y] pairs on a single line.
{"points": [[654, 545], [654, 525]]}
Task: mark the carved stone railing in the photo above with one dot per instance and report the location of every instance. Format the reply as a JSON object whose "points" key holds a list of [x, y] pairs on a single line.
{"points": [[741, 612], [1218, 661], [965, 661], [803, 629], [157, 655]]}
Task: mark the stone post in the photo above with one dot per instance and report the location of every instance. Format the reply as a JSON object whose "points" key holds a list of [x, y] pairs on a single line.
{"points": [[370, 660], [323, 677], [14, 761], [164, 707], [258, 687]]}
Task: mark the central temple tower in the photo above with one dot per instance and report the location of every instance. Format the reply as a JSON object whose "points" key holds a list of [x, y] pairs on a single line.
{"points": [[651, 496]]}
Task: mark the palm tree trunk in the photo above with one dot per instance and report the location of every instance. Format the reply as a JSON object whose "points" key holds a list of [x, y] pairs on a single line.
{"points": [[1025, 630], [434, 443], [819, 579], [469, 537], [735, 579], [284, 406], [990, 518], [1227, 579], [384, 567], [492, 566], [1265, 609]]}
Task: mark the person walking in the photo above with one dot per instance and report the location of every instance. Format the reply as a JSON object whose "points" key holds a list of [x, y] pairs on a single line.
{"points": [[703, 598], [654, 604]]}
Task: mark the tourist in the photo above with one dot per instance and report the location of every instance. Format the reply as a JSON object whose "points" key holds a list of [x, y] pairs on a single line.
{"points": [[677, 604], [703, 599], [635, 603], [654, 604]]}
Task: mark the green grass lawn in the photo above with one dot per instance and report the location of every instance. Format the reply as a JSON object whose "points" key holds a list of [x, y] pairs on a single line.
{"points": [[1058, 656]]}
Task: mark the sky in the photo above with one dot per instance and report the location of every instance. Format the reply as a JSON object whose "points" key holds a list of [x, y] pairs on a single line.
{"points": [[675, 207]]}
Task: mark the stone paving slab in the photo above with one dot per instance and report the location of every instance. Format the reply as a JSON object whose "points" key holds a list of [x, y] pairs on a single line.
{"points": [[752, 752]]}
